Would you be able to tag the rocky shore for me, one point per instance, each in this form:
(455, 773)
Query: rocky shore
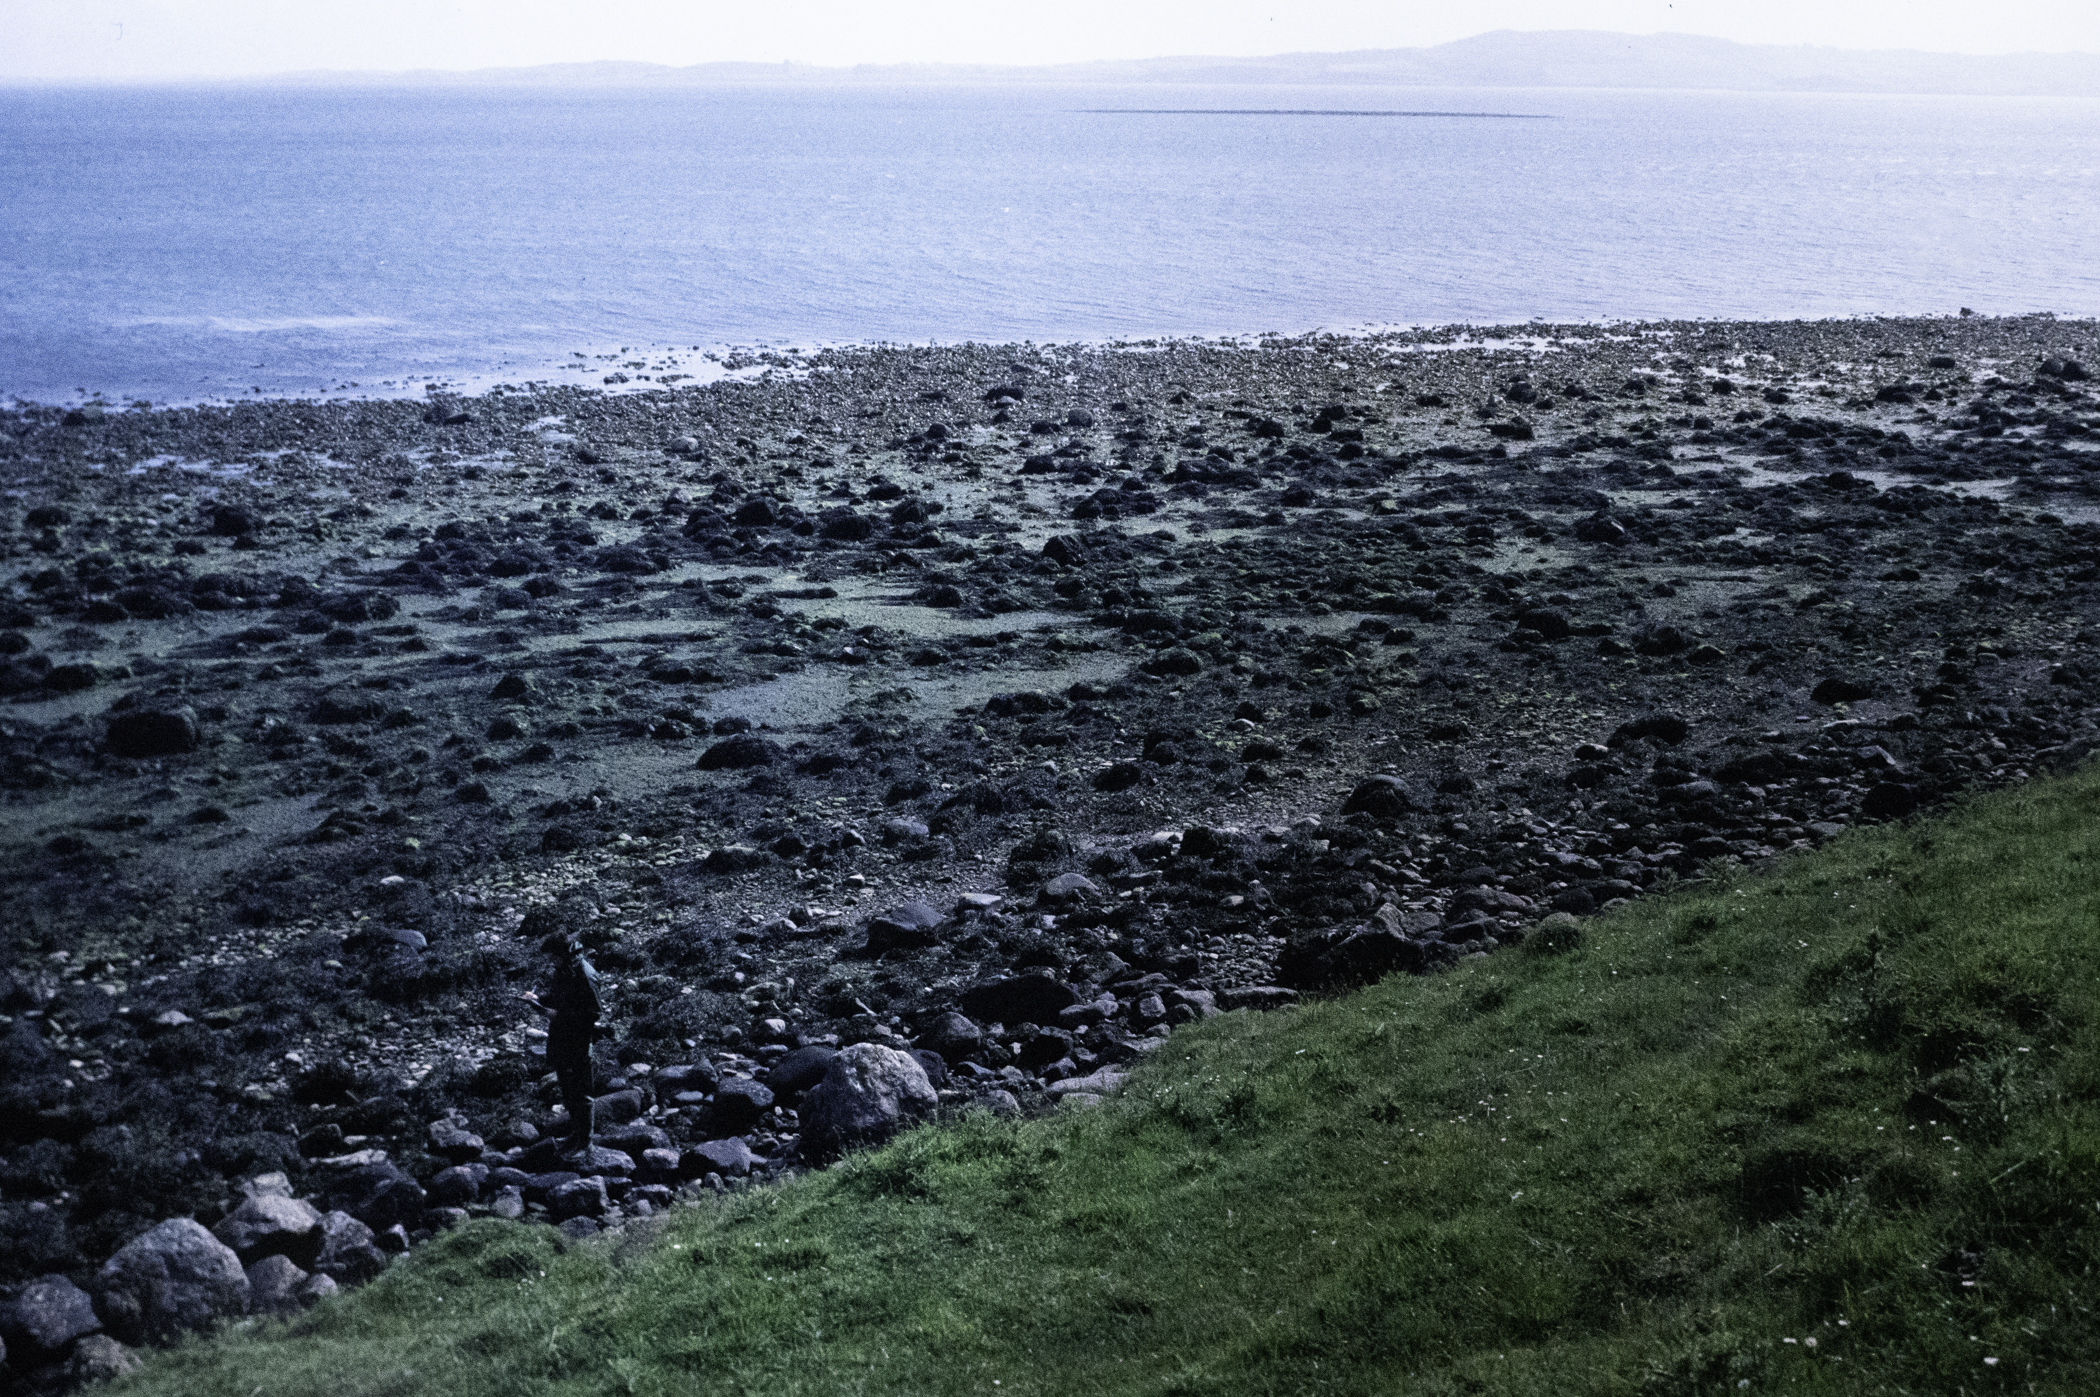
(910, 731)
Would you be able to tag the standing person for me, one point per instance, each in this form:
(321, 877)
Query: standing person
(573, 1024)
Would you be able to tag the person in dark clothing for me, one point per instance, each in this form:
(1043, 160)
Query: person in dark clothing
(573, 1024)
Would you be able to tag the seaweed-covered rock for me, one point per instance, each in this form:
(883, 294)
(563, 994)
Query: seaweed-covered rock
(153, 732)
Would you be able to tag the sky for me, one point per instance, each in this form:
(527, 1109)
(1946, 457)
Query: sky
(154, 39)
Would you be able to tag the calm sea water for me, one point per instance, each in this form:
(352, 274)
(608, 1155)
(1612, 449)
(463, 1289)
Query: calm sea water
(179, 244)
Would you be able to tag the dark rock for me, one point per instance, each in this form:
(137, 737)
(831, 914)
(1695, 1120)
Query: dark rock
(617, 1108)
(799, 1070)
(1385, 797)
(734, 858)
(96, 1359)
(1551, 624)
(731, 1158)
(1666, 728)
(164, 732)
(1034, 998)
(684, 1077)
(1257, 997)
(274, 1285)
(1837, 690)
(1068, 549)
(378, 1195)
(867, 1094)
(902, 928)
(272, 1224)
(738, 1106)
(44, 1317)
(174, 1277)
(954, 1037)
(845, 525)
(349, 706)
(1889, 800)
(735, 753)
(659, 1163)
(1177, 662)
(349, 1254)
(935, 1065)
(635, 1138)
(1067, 888)
(458, 1186)
(1119, 776)
(451, 1140)
(232, 521)
(578, 1198)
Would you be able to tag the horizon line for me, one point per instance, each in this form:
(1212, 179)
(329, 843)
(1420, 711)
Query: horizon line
(484, 72)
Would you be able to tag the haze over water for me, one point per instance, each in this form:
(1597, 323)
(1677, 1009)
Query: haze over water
(185, 243)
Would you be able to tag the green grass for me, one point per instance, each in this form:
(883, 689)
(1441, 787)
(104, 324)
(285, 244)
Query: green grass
(1662, 1163)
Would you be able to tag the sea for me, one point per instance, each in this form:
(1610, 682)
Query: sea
(191, 243)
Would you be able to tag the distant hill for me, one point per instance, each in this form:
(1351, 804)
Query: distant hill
(1504, 59)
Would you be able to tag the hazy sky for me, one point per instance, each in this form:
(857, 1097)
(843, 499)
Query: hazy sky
(171, 38)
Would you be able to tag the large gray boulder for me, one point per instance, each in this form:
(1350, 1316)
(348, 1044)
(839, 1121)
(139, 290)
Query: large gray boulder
(867, 1094)
(271, 1224)
(46, 1315)
(173, 1277)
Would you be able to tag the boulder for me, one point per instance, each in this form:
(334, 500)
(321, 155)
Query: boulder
(908, 927)
(45, 1316)
(953, 1037)
(730, 1158)
(1666, 728)
(867, 1094)
(451, 1140)
(97, 1358)
(1836, 689)
(458, 1186)
(684, 1077)
(800, 1070)
(738, 1105)
(379, 1195)
(1889, 800)
(1018, 999)
(1067, 888)
(1118, 776)
(634, 1137)
(578, 1198)
(734, 753)
(271, 1224)
(274, 1285)
(349, 1253)
(153, 732)
(844, 525)
(1385, 797)
(173, 1277)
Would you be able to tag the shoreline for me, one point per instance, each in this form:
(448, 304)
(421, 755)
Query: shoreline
(1312, 659)
(625, 371)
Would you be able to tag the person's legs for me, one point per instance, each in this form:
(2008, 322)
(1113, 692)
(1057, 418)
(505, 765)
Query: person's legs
(572, 1069)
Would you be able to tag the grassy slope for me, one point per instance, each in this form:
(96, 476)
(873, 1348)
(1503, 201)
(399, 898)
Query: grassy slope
(1562, 1174)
